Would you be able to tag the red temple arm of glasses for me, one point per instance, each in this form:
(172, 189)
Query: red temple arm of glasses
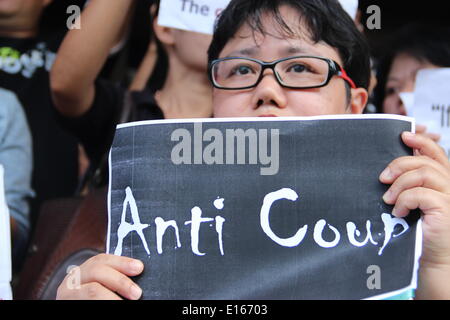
(342, 74)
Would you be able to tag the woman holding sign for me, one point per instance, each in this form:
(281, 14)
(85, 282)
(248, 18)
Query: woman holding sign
(276, 39)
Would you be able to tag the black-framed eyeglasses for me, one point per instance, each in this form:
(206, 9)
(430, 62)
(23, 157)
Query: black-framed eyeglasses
(299, 72)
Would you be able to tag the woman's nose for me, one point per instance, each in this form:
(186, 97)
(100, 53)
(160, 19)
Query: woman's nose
(269, 92)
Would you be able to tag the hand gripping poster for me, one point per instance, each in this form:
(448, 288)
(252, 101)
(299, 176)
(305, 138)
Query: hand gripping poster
(251, 209)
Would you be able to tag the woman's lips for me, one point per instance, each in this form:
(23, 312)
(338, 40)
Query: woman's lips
(268, 116)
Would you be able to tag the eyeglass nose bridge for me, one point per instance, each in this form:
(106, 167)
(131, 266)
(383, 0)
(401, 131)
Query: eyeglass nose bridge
(333, 69)
(269, 65)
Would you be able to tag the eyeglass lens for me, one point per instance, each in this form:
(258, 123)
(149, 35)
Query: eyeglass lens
(295, 72)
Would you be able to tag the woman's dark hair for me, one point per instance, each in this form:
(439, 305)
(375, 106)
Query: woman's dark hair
(326, 19)
(426, 43)
(159, 74)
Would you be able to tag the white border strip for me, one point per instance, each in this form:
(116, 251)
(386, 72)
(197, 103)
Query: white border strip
(232, 120)
(109, 202)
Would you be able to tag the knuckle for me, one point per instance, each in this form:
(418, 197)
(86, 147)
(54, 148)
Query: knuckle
(103, 257)
(95, 273)
(124, 283)
(99, 259)
(400, 198)
(93, 290)
(425, 173)
(406, 196)
(397, 164)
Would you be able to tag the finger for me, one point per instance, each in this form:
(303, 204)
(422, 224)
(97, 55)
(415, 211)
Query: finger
(429, 201)
(426, 147)
(421, 129)
(113, 280)
(424, 177)
(404, 164)
(433, 136)
(125, 265)
(95, 291)
(89, 291)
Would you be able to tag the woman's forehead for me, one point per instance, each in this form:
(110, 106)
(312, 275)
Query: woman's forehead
(284, 35)
(286, 24)
(250, 43)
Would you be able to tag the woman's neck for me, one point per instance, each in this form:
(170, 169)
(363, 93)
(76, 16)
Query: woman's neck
(186, 93)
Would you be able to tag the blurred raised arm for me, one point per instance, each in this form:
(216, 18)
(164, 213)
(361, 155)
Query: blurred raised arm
(84, 52)
(145, 69)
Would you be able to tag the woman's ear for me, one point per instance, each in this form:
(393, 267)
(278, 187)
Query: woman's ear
(164, 34)
(359, 99)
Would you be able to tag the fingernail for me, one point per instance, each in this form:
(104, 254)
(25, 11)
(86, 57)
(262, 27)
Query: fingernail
(136, 266)
(386, 175)
(395, 213)
(408, 135)
(388, 197)
(136, 292)
(436, 137)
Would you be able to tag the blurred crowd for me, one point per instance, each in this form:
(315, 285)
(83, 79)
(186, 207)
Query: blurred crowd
(63, 91)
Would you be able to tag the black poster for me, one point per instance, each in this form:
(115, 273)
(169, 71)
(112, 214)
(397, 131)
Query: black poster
(262, 210)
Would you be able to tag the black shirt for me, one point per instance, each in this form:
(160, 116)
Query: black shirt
(97, 126)
(24, 69)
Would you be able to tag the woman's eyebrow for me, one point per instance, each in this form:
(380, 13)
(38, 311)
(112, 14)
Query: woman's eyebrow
(300, 50)
(246, 52)
(288, 50)
(393, 79)
(294, 50)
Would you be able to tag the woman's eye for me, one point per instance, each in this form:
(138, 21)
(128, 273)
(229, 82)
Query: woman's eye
(298, 68)
(242, 70)
(390, 91)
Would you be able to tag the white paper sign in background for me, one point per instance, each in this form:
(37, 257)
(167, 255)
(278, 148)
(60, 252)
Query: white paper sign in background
(5, 244)
(408, 101)
(351, 6)
(191, 15)
(432, 103)
(200, 15)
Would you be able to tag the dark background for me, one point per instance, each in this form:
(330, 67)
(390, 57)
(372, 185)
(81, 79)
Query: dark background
(394, 14)
(55, 17)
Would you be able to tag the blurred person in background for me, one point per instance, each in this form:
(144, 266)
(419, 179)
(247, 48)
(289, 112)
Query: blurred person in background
(27, 53)
(411, 49)
(16, 158)
(91, 107)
